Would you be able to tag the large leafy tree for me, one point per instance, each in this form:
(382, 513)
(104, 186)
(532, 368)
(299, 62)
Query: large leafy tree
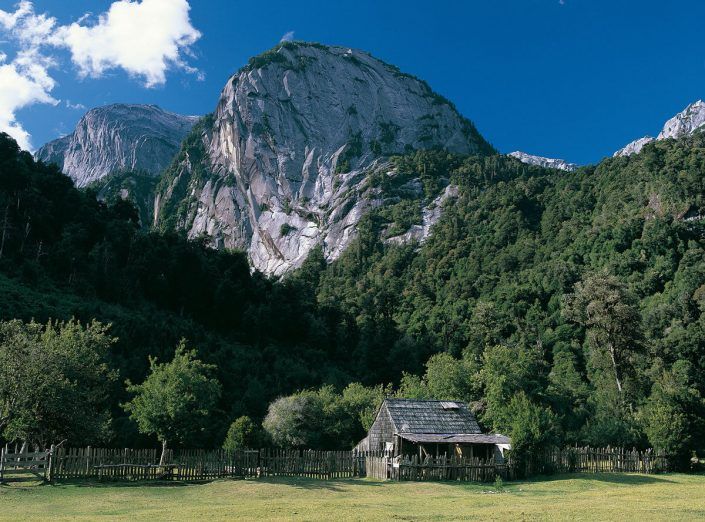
(608, 311)
(176, 400)
(55, 382)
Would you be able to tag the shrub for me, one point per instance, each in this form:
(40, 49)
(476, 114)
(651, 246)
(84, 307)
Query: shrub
(286, 229)
(243, 433)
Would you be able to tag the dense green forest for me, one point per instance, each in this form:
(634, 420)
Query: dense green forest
(565, 307)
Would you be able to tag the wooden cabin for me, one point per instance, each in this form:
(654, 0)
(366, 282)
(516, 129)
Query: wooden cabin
(430, 428)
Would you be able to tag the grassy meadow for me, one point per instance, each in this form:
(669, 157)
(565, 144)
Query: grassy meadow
(567, 497)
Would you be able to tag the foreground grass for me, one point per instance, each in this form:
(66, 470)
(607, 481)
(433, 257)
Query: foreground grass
(567, 497)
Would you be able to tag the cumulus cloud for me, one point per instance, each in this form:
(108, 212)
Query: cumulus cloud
(144, 38)
(22, 85)
(25, 80)
(288, 37)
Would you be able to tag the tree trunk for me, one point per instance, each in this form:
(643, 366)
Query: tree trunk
(162, 460)
(27, 230)
(4, 229)
(616, 370)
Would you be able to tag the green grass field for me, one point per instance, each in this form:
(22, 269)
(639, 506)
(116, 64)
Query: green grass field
(568, 497)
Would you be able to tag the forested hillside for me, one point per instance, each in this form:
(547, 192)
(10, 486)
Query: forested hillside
(567, 307)
(65, 254)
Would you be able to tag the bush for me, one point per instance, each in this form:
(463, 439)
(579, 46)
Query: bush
(286, 229)
(243, 433)
(293, 421)
(531, 430)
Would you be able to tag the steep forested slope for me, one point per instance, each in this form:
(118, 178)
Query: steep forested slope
(495, 287)
(572, 301)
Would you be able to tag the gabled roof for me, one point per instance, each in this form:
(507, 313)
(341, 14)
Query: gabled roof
(438, 417)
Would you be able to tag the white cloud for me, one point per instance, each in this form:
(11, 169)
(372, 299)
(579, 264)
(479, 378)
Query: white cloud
(9, 20)
(75, 106)
(144, 38)
(21, 85)
(25, 80)
(28, 29)
(288, 37)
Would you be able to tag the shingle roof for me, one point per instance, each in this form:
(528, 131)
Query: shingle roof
(471, 438)
(417, 416)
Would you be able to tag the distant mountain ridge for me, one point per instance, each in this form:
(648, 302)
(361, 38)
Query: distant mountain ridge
(118, 138)
(540, 161)
(682, 124)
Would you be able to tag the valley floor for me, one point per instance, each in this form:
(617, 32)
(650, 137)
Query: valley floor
(568, 497)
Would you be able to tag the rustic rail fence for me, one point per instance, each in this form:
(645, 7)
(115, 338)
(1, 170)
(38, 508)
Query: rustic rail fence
(194, 465)
(566, 460)
(595, 460)
(451, 468)
(436, 468)
(25, 463)
(308, 464)
(128, 464)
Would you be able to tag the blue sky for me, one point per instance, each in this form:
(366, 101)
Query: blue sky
(575, 79)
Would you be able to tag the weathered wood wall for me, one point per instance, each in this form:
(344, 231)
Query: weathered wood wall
(381, 431)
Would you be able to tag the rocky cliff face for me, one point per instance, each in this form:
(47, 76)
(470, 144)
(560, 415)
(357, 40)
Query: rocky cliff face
(549, 163)
(285, 162)
(682, 124)
(118, 138)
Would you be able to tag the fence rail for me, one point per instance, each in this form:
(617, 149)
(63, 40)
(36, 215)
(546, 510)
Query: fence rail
(24, 462)
(193, 465)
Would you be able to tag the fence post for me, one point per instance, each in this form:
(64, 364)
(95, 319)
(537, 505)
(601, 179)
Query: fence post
(50, 464)
(88, 460)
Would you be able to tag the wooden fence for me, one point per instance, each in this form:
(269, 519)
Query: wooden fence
(436, 468)
(192, 465)
(25, 463)
(567, 460)
(377, 467)
(594, 460)
(307, 463)
(129, 464)
(451, 468)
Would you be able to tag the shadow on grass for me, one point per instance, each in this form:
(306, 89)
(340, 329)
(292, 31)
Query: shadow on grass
(336, 485)
(301, 483)
(129, 484)
(612, 478)
(339, 485)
